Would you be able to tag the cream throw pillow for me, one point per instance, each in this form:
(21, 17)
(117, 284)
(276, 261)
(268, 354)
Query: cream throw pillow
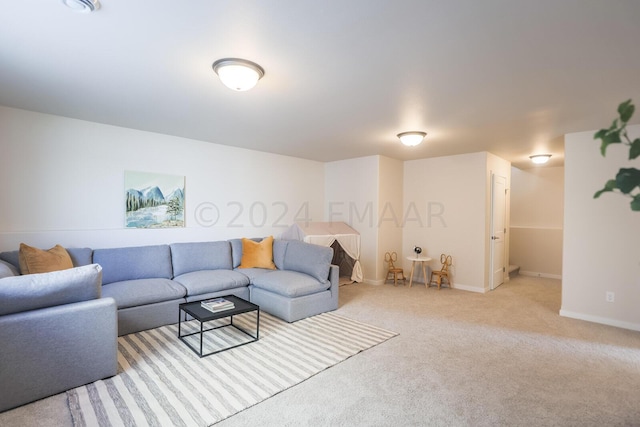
(257, 254)
(33, 260)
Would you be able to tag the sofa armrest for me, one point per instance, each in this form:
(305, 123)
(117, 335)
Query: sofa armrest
(54, 349)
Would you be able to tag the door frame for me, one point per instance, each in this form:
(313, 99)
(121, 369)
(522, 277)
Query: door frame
(492, 284)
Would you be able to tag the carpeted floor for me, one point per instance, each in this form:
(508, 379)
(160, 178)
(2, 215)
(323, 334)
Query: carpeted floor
(501, 358)
(161, 382)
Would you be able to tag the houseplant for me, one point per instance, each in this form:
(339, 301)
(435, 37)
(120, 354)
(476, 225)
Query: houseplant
(627, 180)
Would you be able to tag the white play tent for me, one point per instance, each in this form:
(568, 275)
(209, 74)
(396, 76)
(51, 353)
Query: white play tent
(327, 234)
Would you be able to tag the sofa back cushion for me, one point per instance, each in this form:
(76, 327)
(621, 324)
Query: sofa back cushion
(40, 290)
(131, 263)
(7, 270)
(79, 257)
(279, 249)
(196, 256)
(236, 251)
(314, 260)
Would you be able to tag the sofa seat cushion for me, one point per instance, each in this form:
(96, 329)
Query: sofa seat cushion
(290, 283)
(132, 293)
(252, 273)
(206, 281)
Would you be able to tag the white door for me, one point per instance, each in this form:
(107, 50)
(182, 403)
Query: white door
(498, 213)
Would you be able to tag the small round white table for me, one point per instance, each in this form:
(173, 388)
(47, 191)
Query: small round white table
(421, 260)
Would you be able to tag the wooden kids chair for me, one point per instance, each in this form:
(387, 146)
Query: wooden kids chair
(397, 272)
(443, 273)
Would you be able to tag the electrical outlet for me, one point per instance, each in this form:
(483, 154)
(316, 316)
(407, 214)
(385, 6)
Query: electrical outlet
(610, 297)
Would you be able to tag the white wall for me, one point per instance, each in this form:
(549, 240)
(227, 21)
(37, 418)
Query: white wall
(537, 215)
(445, 211)
(64, 183)
(601, 250)
(390, 212)
(351, 194)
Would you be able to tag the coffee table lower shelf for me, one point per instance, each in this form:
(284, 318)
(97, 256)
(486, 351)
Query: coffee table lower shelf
(202, 316)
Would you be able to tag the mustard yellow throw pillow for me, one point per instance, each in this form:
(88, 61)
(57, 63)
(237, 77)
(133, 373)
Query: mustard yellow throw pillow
(33, 260)
(257, 254)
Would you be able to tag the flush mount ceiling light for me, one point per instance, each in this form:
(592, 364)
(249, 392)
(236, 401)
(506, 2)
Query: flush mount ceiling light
(238, 74)
(540, 159)
(412, 138)
(83, 6)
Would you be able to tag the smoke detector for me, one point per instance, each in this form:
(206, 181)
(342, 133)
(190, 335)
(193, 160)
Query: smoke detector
(82, 6)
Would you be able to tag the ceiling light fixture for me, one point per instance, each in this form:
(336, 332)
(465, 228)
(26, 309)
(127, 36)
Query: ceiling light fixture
(540, 159)
(412, 138)
(82, 6)
(238, 74)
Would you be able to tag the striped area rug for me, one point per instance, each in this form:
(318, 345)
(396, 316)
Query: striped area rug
(161, 382)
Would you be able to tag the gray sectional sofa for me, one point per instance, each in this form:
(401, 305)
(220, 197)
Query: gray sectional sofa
(148, 282)
(60, 336)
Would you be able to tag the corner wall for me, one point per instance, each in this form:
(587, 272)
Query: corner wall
(601, 251)
(537, 215)
(351, 193)
(445, 211)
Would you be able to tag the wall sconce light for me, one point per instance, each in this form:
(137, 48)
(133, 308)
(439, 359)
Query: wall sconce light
(412, 138)
(238, 74)
(540, 159)
(83, 6)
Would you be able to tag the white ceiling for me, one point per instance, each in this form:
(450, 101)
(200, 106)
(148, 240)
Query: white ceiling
(343, 77)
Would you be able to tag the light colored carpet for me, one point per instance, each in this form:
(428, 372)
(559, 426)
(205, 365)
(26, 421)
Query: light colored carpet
(161, 382)
(505, 358)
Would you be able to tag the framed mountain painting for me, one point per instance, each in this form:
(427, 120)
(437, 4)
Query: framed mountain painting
(153, 200)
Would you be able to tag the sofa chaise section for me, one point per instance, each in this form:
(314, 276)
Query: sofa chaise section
(304, 283)
(139, 280)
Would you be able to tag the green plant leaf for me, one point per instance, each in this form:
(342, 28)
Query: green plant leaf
(635, 203)
(614, 125)
(609, 186)
(611, 137)
(634, 150)
(600, 134)
(626, 110)
(628, 179)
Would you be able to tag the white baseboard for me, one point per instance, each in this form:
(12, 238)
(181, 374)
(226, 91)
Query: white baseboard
(601, 320)
(469, 288)
(458, 286)
(537, 274)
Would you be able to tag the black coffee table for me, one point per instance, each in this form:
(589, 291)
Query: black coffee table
(202, 315)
